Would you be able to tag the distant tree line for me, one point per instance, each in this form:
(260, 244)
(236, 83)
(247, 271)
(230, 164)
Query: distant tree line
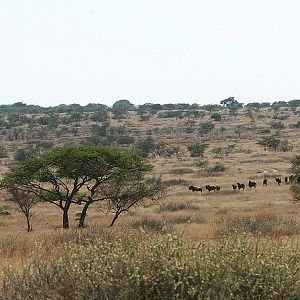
(126, 105)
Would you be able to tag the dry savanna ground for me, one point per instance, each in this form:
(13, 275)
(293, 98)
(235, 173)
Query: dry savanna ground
(196, 216)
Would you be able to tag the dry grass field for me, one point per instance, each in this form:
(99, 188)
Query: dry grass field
(265, 211)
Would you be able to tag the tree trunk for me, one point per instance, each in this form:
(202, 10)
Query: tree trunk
(83, 215)
(29, 228)
(114, 219)
(66, 218)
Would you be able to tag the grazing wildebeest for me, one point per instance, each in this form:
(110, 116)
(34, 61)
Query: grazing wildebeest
(240, 186)
(278, 180)
(210, 187)
(195, 188)
(265, 182)
(218, 188)
(234, 187)
(252, 184)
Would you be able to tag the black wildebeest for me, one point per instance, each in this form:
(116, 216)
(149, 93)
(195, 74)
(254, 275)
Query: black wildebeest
(265, 182)
(210, 187)
(195, 188)
(278, 180)
(218, 188)
(234, 187)
(252, 184)
(240, 186)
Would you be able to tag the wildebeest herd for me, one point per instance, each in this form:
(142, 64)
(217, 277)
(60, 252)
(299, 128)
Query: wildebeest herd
(240, 186)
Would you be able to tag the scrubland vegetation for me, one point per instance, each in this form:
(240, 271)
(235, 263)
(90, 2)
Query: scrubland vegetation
(167, 241)
(159, 266)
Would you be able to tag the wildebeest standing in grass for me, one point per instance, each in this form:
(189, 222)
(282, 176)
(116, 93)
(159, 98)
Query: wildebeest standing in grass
(234, 187)
(278, 180)
(240, 186)
(218, 188)
(252, 184)
(210, 187)
(265, 182)
(195, 188)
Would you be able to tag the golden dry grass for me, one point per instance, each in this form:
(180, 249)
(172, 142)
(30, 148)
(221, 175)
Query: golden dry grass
(247, 161)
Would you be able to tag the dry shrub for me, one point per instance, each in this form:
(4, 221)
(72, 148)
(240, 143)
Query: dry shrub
(160, 267)
(188, 219)
(149, 223)
(176, 206)
(261, 224)
(173, 182)
(181, 171)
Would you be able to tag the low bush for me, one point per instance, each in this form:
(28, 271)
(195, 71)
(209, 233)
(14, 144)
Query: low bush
(218, 167)
(175, 206)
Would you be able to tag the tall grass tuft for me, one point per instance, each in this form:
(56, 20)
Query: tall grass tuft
(176, 206)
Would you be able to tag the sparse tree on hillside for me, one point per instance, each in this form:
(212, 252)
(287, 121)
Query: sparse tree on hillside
(229, 102)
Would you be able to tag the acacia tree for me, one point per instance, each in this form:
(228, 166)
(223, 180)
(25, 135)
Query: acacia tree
(118, 193)
(72, 175)
(25, 202)
(122, 192)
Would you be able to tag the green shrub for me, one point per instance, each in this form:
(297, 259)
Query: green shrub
(277, 125)
(3, 152)
(205, 128)
(100, 116)
(216, 116)
(197, 149)
(296, 125)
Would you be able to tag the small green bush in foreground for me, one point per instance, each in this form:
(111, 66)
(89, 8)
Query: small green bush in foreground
(161, 267)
